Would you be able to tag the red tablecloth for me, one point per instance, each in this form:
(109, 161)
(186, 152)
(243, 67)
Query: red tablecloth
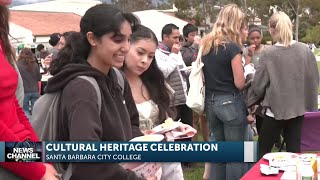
(254, 172)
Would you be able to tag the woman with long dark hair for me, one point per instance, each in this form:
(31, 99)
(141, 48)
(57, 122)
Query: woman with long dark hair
(102, 43)
(145, 78)
(149, 89)
(30, 74)
(14, 125)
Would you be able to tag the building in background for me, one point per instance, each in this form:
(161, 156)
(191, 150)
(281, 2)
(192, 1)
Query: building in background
(45, 18)
(41, 25)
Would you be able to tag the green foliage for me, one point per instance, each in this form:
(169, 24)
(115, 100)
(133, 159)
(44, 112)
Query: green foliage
(164, 6)
(131, 6)
(182, 4)
(308, 10)
(198, 18)
(266, 38)
(312, 35)
(189, 9)
(317, 53)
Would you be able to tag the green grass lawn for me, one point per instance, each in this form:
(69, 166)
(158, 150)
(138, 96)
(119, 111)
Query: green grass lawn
(195, 173)
(317, 52)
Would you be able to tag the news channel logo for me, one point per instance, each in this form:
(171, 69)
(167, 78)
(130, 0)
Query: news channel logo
(25, 151)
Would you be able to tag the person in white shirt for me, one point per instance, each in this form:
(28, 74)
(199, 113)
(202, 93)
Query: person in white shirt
(170, 62)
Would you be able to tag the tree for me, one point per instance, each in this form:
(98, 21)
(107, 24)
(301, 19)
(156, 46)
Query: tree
(312, 35)
(301, 12)
(131, 6)
(164, 6)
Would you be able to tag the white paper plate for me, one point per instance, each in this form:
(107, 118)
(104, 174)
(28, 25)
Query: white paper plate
(148, 138)
(45, 77)
(267, 170)
(161, 130)
(285, 155)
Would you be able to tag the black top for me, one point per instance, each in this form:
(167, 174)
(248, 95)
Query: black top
(218, 70)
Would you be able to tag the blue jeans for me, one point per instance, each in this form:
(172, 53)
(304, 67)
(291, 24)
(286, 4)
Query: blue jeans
(29, 98)
(226, 115)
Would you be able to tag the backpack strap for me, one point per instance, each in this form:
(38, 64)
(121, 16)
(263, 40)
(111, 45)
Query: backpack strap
(68, 173)
(120, 79)
(96, 87)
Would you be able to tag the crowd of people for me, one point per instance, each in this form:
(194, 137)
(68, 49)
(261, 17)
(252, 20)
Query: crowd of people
(155, 87)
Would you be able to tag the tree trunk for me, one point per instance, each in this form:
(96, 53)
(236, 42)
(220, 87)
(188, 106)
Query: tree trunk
(245, 8)
(297, 21)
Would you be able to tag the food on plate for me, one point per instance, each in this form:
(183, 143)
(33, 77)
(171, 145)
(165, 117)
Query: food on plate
(281, 159)
(168, 123)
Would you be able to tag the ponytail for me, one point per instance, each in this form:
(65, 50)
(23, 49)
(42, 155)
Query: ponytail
(282, 24)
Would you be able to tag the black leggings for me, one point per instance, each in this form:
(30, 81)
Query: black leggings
(271, 129)
(259, 122)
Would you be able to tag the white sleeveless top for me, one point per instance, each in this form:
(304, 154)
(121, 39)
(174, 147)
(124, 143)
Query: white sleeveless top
(148, 115)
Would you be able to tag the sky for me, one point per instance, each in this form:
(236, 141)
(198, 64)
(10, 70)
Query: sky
(21, 2)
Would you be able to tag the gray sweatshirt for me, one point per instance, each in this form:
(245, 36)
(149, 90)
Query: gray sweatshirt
(287, 78)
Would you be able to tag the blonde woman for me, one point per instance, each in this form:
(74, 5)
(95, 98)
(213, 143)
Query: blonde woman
(224, 77)
(287, 80)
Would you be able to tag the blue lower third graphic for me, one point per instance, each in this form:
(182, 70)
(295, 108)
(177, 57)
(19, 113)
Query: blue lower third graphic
(150, 152)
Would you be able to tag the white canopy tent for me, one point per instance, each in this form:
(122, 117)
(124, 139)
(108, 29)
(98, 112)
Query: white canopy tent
(20, 35)
(156, 21)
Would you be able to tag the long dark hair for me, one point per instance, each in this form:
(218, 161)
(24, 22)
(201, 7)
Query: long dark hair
(153, 78)
(100, 20)
(67, 34)
(27, 58)
(4, 34)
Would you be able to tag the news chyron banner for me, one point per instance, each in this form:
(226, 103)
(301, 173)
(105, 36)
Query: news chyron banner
(128, 151)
